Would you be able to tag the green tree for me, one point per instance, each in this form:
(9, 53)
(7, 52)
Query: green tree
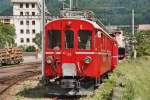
(7, 35)
(143, 43)
(37, 40)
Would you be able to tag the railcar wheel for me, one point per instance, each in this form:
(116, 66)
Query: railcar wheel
(106, 76)
(8, 62)
(45, 81)
(98, 81)
(16, 62)
(0, 64)
(12, 62)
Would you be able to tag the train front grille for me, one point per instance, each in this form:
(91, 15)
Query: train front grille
(69, 69)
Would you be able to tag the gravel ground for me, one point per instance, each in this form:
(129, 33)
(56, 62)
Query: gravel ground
(27, 90)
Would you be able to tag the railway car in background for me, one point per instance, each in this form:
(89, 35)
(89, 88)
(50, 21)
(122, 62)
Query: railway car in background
(77, 50)
(121, 44)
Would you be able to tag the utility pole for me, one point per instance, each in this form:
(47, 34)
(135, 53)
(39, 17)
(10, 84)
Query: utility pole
(71, 4)
(43, 36)
(76, 4)
(133, 35)
(63, 5)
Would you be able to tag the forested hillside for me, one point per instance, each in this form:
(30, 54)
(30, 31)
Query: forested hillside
(110, 11)
(4, 4)
(113, 11)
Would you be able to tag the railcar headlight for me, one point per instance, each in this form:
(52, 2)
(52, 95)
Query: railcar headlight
(87, 60)
(49, 59)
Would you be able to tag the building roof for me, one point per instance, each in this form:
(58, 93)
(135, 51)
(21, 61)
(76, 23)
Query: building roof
(144, 27)
(25, 1)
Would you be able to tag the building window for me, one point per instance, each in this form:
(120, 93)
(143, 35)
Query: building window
(33, 22)
(21, 22)
(27, 5)
(7, 21)
(33, 13)
(28, 40)
(21, 13)
(21, 5)
(33, 31)
(22, 40)
(28, 31)
(27, 13)
(33, 5)
(27, 22)
(21, 31)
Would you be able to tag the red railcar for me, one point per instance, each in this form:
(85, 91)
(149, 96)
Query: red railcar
(76, 49)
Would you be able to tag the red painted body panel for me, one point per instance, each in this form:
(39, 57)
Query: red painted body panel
(102, 52)
(114, 56)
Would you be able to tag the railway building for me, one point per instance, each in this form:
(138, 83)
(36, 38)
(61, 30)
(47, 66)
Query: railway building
(6, 19)
(26, 17)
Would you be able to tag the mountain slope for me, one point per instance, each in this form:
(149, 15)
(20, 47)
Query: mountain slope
(109, 11)
(4, 4)
(113, 11)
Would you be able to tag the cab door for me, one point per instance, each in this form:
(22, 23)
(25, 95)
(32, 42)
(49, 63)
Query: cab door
(68, 53)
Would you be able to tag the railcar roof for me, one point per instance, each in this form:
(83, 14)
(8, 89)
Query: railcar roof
(95, 25)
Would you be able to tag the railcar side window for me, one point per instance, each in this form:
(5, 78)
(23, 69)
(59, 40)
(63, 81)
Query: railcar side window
(84, 39)
(69, 39)
(54, 39)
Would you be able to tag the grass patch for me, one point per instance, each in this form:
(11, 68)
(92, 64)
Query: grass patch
(136, 81)
(105, 90)
(137, 73)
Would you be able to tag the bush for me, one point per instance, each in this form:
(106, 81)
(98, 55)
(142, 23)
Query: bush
(22, 47)
(30, 49)
(143, 43)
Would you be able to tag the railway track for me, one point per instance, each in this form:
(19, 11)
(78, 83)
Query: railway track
(15, 73)
(21, 64)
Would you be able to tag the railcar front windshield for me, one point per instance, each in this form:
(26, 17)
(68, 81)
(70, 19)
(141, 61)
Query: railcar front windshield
(121, 51)
(54, 39)
(69, 39)
(84, 39)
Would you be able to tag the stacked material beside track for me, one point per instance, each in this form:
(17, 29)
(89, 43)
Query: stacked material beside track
(11, 56)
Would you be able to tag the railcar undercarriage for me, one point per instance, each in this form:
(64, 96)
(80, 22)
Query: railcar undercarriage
(73, 86)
